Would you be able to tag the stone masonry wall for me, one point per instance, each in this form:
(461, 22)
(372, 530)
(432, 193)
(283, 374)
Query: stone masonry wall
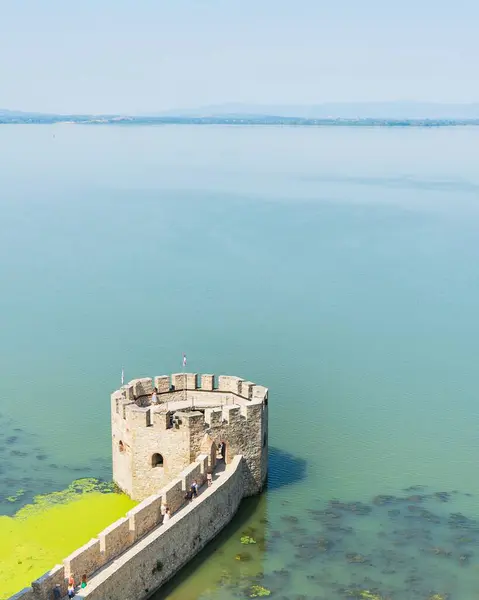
(159, 555)
(155, 556)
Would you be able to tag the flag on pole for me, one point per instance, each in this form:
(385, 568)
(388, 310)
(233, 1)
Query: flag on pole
(122, 376)
(184, 360)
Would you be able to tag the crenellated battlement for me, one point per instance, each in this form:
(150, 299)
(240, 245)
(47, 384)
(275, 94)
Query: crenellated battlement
(168, 387)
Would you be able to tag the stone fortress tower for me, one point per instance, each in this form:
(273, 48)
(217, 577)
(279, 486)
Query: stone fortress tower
(152, 444)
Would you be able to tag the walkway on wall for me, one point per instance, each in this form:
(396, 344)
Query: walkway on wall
(217, 475)
(199, 403)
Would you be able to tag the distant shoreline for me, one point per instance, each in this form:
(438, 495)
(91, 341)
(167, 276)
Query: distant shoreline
(27, 119)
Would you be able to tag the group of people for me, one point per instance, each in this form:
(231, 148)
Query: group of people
(71, 590)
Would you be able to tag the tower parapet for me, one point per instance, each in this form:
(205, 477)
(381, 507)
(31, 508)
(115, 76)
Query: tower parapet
(153, 443)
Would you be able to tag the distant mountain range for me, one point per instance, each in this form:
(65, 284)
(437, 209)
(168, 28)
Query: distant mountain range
(335, 110)
(372, 113)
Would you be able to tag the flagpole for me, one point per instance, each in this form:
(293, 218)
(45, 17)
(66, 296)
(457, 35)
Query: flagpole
(184, 378)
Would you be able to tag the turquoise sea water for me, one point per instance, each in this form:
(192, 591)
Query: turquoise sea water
(336, 266)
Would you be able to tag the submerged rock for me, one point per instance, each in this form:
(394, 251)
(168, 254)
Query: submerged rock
(359, 559)
(358, 508)
(442, 496)
(384, 499)
(459, 521)
(414, 498)
(243, 556)
(414, 488)
(364, 594)
(289, 518)
(438, 551)
(423, 513)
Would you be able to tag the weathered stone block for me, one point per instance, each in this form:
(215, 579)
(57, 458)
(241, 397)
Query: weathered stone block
(229, 383)
(253, 411)
(213, 417)
(207, 382)
(162, 383)
(173, 495)
(190, 474)
(246, 389)
(159, 418)
(146, 516)
(43, 586)
(86, 560)
(231, 414)
(129, 391)
(115, 539)
(142, 387)
(138, 416)
(259, 392)
(191, 420)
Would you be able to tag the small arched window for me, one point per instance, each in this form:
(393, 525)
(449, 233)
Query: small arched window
(121, 446)
(156, 460)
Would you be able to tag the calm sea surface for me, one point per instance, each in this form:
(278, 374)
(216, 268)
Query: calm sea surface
(337, 266)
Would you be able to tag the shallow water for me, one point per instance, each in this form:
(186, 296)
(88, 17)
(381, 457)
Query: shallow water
(336, 266)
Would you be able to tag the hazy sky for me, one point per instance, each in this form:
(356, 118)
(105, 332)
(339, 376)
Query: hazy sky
(151, 55)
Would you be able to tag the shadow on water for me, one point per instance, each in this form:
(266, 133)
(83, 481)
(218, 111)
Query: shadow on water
(218, 556)
(284, 469)
(217, 565)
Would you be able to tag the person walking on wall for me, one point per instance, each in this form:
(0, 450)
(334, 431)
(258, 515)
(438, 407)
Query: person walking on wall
(71, 590)
(83, 581)
(194, 488)
(209, 477)
(167, 516)
(154, 396)
(222, 450)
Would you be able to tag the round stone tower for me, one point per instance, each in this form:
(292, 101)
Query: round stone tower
(153, 443)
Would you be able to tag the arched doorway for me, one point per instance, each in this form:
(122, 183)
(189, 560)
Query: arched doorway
(157, 460)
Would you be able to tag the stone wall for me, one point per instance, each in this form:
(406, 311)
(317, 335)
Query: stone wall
(158, 556)
(134, 533)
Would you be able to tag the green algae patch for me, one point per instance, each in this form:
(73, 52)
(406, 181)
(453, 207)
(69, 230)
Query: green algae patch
(42, 534)
(258, 591)
(246, 539)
